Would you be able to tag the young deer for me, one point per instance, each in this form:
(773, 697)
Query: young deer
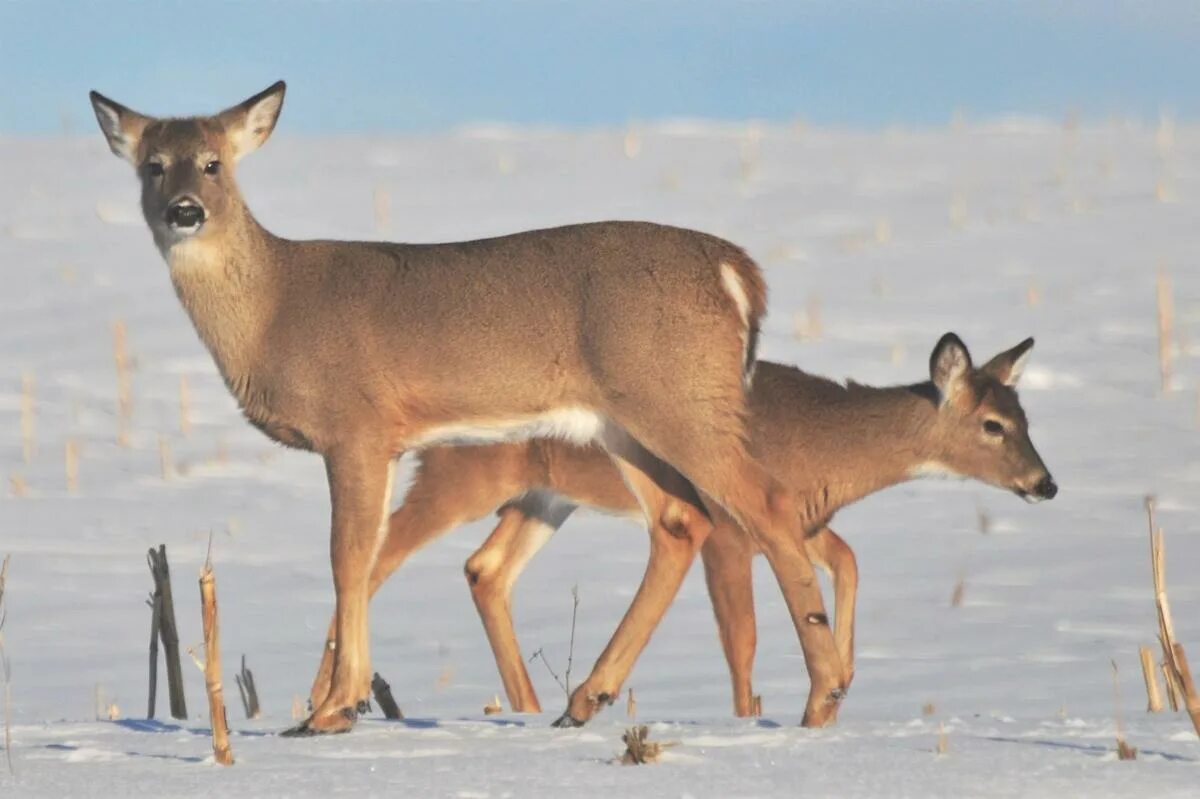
(635, 335)
(831, 444)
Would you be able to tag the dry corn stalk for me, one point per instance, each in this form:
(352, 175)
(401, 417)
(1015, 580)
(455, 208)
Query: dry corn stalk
(185, 406)
(71, 464)
(1165, 326)
(1154, 703)
(1175, 664)
(960, 588)
(18, 485)
(1191, 697)
(639, 749)
(124, 387)
(631, 705)
(165, 463)
(494, 707)
(27, 419)
(212, 666)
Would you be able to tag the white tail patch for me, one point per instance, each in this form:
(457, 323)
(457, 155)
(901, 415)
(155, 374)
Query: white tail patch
(737, 292)
(576, 425)
(733, 286)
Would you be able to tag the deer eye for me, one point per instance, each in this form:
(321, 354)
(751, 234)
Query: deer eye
(993, 428)
(154, 169)
(212, 167)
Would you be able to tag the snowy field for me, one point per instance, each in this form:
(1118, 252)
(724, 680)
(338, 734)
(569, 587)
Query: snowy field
(994, 231)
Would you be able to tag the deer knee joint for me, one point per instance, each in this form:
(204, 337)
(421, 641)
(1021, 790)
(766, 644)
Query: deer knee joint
(684, 523)
(817, 618)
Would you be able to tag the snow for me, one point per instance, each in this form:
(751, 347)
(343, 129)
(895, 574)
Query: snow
(896, 236)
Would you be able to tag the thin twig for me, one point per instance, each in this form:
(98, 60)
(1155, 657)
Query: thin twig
(1124, 750)
(571, 648)
(542, 656)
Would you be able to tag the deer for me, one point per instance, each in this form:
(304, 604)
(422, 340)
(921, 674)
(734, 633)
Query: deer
(832, 444)
(638, 336)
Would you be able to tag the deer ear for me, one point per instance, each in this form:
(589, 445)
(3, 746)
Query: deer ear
(122, 127)
(1008, 365)
(949, 366)
(250, 123)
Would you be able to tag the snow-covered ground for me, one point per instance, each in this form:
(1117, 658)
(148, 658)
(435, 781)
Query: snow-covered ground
(994, 231)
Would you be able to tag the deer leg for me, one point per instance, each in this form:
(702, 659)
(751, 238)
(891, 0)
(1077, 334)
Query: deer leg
(678, 524)
(720, 467)
(525, 526)
(359, 485)
(445, 493)
(727, 571)
(827, 549)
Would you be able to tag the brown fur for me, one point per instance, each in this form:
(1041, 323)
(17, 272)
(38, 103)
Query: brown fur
(832, 444)
(360, 350)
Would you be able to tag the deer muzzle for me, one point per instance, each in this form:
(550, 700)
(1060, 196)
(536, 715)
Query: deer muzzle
(185, 215)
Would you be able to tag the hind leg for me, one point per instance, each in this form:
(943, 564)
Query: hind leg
(719, 465)
(727, 559)
(678, 525)
(525, 526)
(827, 549)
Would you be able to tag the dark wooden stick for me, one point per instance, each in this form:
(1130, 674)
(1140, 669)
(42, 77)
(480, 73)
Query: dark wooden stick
(212, 668)
(249, 694)
(155, 603)
(167, 630)
(383, 695)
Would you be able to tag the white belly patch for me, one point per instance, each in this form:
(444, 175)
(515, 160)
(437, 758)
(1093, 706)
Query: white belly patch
(576, 425)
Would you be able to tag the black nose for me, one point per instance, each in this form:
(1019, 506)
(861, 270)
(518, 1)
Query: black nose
(1046, 488)
(185, 214)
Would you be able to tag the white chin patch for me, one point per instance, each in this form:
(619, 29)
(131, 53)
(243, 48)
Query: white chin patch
(184, 232)
(1032, 499)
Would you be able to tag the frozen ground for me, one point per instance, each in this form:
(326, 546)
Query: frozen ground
(997, 232)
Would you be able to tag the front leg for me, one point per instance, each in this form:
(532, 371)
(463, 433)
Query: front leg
(360, 485)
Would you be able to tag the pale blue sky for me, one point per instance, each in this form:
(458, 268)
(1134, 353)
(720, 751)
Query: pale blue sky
(405, 66)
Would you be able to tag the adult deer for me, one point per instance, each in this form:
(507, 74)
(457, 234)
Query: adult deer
(831, 444)
(635, 335)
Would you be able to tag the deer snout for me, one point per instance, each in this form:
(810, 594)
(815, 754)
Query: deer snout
(1046, 488)
(185, 215)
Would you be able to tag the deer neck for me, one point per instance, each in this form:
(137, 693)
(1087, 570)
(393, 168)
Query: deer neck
(875, 438)
(228, 283)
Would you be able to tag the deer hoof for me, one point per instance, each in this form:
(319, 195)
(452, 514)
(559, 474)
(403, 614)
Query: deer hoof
(566, 720)
(306, 728)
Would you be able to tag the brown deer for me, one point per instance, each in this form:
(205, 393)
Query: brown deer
(831, 444)
(635, 335)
